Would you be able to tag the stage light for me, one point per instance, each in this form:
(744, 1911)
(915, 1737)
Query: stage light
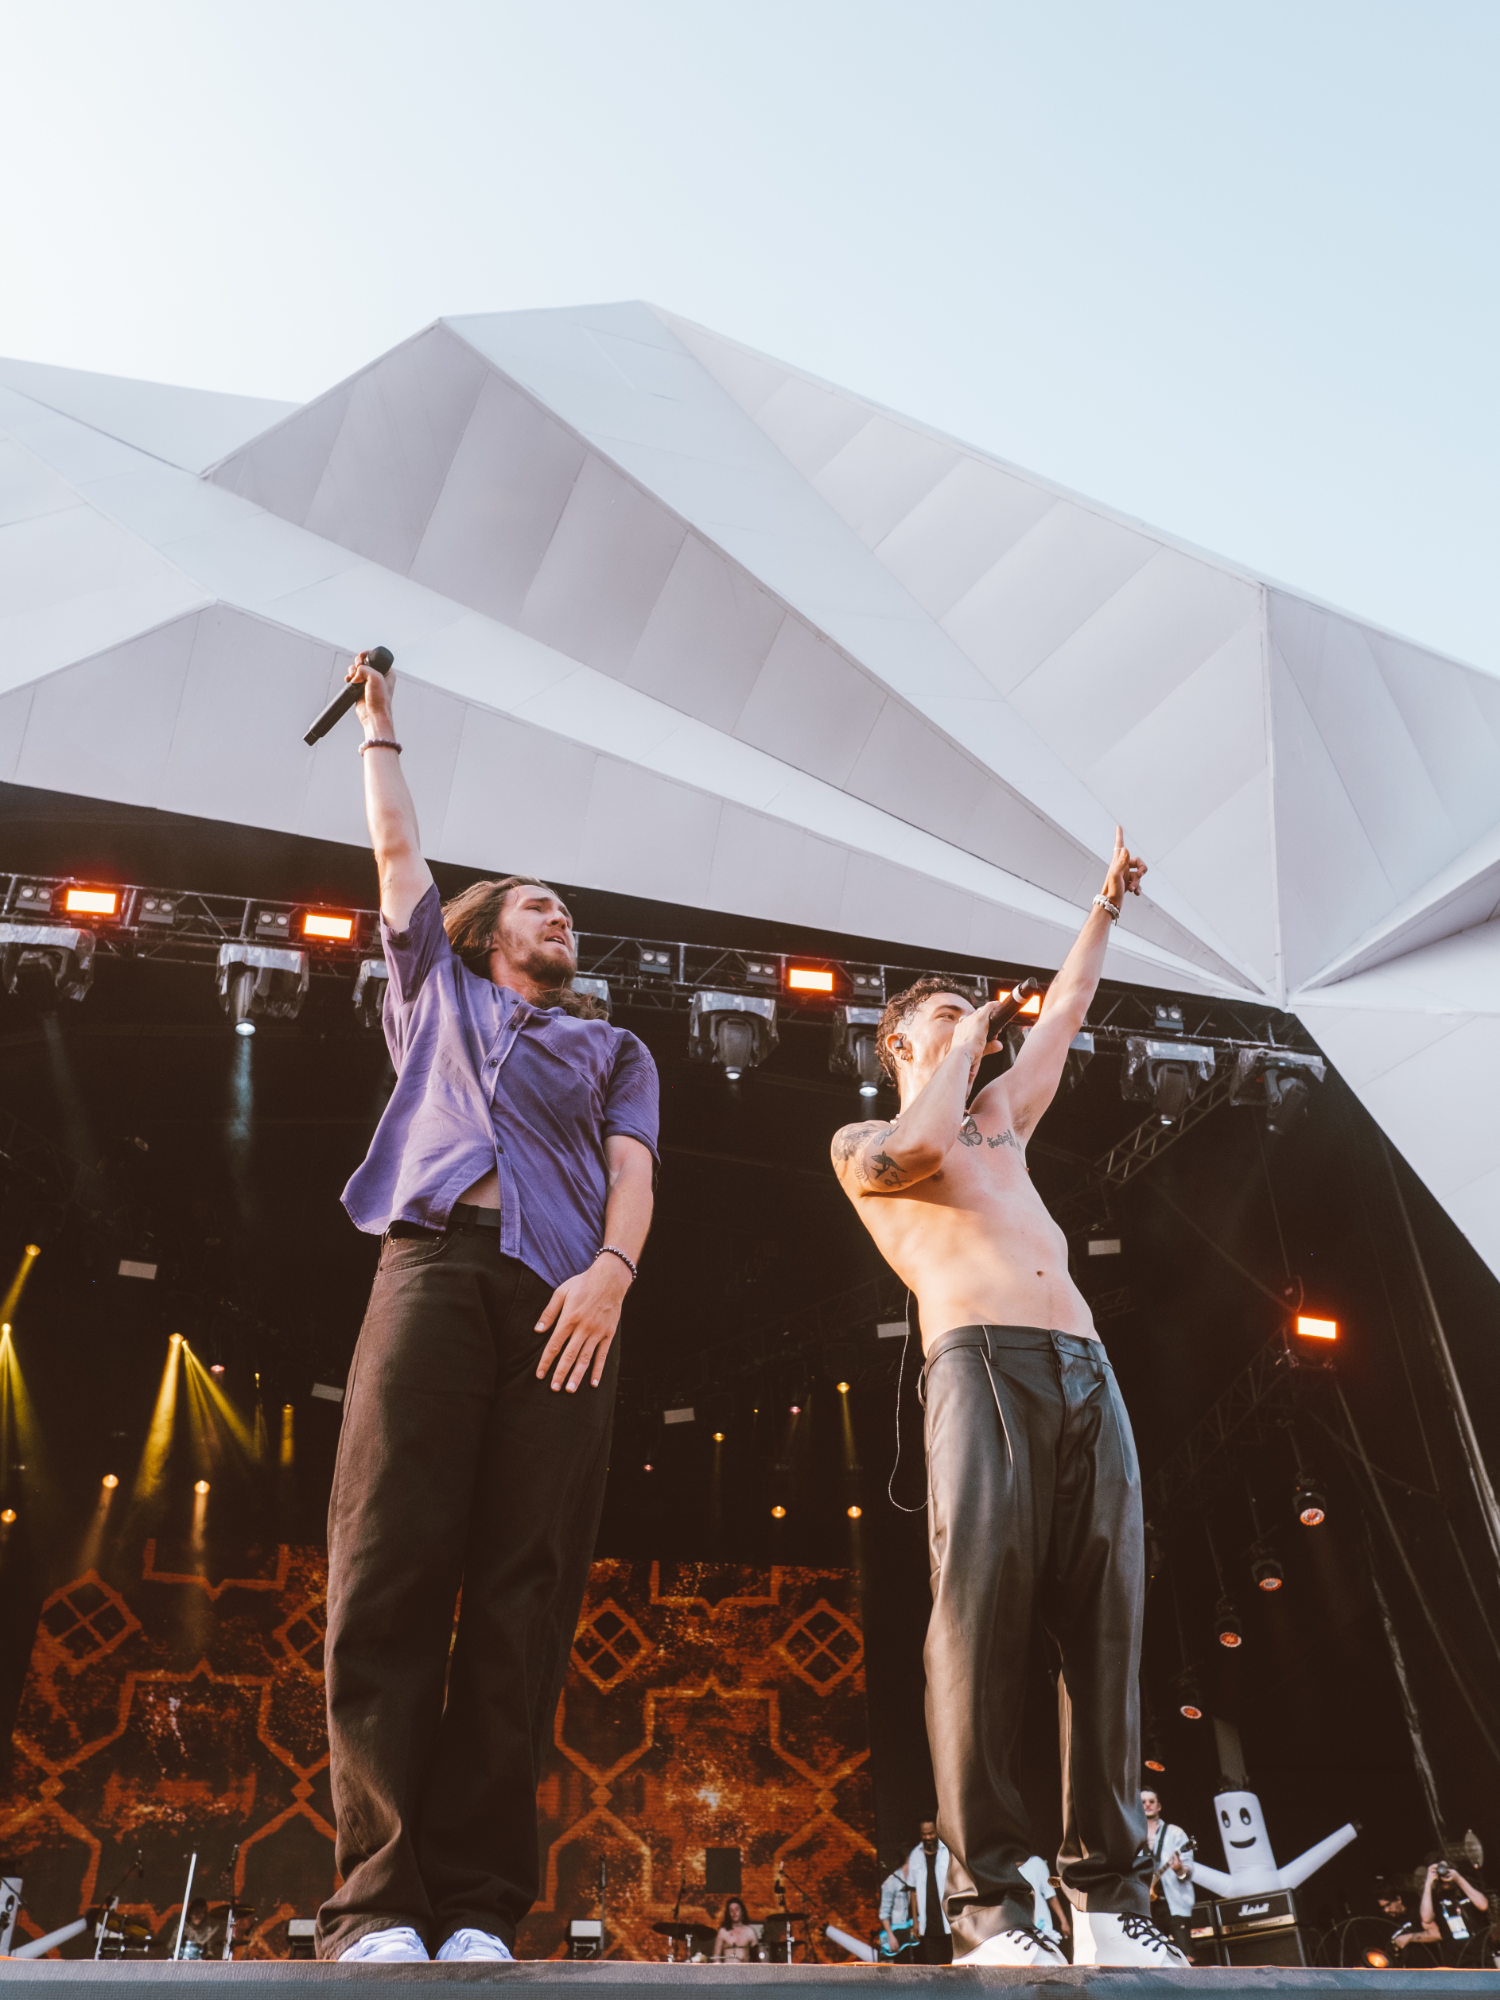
(854, 1513)
(327, 924)
(17, 1285)
(1189, 1697)
(653, 963)
(594, 989)
(734, 1030)
(200, 1486)
(762, 972)
(843, 1388)
(1312, 1509)
(7, 1515)
(45, 963)
(808, 979)
(854, 1049)
(1165, 1072)
(1377, 1961)
(216, 1368)
(1280, 1079)
(1033, 1006)
(1316, 1329)
(257, 979)
(1154, 1764)
(648, 1468)
(111, 1480)
(718, 1437)
(370, 986)
(156, 910)
(1227, 1630)
(778, 1513)
(796, 1409)
(1267, 1572)
(91, 902)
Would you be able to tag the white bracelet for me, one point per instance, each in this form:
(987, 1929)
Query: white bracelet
(1103, 903)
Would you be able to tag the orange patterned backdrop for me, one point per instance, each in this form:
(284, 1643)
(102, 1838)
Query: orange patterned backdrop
(707, 1705)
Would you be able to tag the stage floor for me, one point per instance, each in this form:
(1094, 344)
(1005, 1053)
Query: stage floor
(36, 1979)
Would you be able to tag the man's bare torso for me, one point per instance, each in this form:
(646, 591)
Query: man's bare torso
(973, 1240)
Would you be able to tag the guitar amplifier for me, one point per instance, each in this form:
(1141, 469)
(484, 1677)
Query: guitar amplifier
(1260, 1930)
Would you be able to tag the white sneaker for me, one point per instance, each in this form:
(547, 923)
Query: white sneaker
(1102, 1938)
(400, 1941)
(474, 1944)
(1013, 1948)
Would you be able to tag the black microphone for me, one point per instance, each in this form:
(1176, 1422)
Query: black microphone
(382, 659)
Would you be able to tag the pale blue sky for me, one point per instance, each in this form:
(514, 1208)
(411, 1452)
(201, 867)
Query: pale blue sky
(1228, 267)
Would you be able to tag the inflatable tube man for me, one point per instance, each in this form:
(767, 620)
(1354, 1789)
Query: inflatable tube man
(1247, 1849)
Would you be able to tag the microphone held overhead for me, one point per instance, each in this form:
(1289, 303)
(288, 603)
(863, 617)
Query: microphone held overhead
(382, 660)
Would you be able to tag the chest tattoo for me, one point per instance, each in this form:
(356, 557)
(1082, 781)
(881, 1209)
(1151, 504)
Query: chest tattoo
(969, 1133)
(1006, 1138)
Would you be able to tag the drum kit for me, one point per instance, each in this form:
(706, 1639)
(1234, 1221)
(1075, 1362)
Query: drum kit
(778, 1939)
(120, 1935)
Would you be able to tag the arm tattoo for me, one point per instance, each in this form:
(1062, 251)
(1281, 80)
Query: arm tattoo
(875, 1167)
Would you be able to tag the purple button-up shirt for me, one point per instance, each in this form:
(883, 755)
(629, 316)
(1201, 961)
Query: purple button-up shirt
(484, 1080)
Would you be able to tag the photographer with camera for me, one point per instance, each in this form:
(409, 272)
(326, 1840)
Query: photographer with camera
(1454, 1912)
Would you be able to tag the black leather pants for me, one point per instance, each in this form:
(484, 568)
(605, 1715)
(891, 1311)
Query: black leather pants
(1034, 1515)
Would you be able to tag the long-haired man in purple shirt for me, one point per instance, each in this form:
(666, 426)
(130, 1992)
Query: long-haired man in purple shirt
(511, 1178)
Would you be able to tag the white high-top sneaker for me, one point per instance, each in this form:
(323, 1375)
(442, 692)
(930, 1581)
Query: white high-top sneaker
(1017, 1947)
(1101, 1938)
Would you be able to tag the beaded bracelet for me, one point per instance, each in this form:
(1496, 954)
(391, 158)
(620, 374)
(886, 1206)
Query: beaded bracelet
(609, 1249)
(379, 743)
(1103, 903)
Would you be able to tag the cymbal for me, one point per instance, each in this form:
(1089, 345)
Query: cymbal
(243, 1913)
(680, 1930)
(786, 1917)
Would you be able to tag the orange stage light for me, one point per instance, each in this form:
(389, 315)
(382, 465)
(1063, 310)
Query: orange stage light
(111, 1480)
(808, 979)
(200, 1486)
(91, 902)
(8, 1516)
(1316, 1329)
(323, 924)
(1031, 1006)
(778, 1513)
(854, 1512)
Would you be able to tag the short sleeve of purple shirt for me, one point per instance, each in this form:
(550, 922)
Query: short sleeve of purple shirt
(486, 1082)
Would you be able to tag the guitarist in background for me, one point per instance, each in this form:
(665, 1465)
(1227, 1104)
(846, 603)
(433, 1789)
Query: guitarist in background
(1171, 1876)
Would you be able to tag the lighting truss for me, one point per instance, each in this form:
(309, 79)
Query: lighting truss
(184, 926)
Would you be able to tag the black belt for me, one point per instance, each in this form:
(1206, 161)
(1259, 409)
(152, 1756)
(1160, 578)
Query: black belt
(462, 1218)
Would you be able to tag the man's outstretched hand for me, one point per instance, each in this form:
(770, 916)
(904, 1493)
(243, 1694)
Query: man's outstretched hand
(1125, 872)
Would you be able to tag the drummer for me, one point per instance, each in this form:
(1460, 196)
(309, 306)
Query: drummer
(736, 1938)
(200, 1931)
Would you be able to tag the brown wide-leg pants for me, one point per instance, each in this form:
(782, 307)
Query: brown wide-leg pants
(456, 1466)
(1034, 1499)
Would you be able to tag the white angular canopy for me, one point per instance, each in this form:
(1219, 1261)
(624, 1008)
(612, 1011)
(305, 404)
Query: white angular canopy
(680, 621)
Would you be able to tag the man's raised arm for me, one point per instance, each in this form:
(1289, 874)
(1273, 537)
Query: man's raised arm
(1031, 1084)
(882, 1158)
(405, 877)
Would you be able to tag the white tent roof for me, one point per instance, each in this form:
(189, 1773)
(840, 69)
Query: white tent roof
(677, 620)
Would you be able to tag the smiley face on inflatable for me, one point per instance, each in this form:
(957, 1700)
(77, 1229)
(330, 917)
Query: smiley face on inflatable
(1247, 1845)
